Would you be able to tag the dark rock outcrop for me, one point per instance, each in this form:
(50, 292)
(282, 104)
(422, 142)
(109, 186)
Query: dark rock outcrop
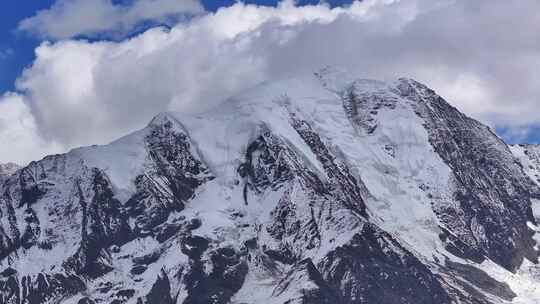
(492, 190)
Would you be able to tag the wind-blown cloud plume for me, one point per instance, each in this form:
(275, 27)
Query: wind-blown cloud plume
(82, 92)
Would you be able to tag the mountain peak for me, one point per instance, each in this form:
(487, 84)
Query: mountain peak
(353, 190)
(163, 118)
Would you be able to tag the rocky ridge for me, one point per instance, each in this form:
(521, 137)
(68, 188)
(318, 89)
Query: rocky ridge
(318, 189)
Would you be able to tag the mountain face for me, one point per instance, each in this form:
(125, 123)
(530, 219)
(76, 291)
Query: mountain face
(6, 170)
(316, 189)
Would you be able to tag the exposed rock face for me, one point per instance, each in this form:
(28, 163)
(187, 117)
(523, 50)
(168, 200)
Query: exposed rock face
(6, 170)
(324, 189)
(171, 177)
(366, 271)
(314, 287)
(529, 159)
(44, 288)
(492, 192)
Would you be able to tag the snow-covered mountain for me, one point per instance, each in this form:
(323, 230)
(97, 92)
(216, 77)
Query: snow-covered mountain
(7, 169)
(316, 189)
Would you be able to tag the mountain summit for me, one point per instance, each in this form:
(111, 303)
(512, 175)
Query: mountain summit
(316, 189)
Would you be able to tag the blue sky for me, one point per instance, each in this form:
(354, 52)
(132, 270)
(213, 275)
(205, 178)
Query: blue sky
(106, 56)
(20, 47)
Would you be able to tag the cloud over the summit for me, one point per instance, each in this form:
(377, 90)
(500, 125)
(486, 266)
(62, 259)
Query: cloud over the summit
(18, 132)
(92, 92)
(482, 56)
(72, 18)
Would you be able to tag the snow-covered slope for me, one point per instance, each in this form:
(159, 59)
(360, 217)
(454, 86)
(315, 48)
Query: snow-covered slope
(317, 189)
(7, 169)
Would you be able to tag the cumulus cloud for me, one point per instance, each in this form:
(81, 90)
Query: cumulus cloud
(476, 54)
(91, 92)
(18, 132)
(72, 18)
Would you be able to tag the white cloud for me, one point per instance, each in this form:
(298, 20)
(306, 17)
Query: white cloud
(84, 93)
(18, 132)
(71, 18)
(476, 54)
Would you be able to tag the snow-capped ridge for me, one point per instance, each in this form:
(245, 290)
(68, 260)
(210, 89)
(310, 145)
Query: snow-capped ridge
(9, 168)
(313, 189)
(163, 118)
